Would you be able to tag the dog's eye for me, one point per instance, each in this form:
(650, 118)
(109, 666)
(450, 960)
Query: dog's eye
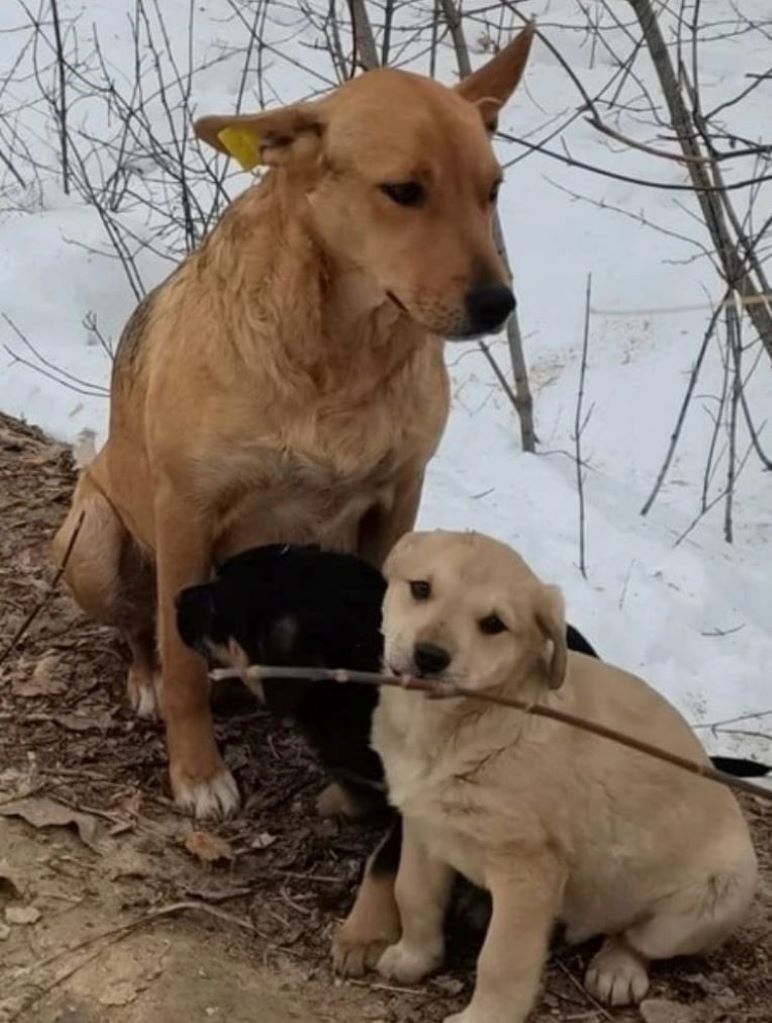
(405, 193)
(494, 192)
(491, 625)
(420, 589)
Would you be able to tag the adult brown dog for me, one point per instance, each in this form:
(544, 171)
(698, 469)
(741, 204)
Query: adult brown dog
(287, 383)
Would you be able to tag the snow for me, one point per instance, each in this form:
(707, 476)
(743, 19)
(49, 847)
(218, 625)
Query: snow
(690, 614)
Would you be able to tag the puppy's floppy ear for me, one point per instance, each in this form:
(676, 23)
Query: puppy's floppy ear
(196, 614)
(272, 138)
(490, 86)
(550, 617)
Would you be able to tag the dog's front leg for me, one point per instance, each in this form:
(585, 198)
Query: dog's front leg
(200, 781)
(526, 897)
(423, 889)
(373, 922)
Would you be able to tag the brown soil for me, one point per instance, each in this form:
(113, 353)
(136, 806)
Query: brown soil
(91, 926)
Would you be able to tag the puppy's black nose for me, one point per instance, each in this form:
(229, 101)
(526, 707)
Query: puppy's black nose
(488, 306)
(430, 659)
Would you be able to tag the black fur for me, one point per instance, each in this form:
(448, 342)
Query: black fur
(299, 605)
(286, 605)
(292, 605)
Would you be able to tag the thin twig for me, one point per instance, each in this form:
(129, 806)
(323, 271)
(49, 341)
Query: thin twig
(676, 434)
(521, 397)
(61, 104)
(441, 689)
(579, 426)
(19, 634)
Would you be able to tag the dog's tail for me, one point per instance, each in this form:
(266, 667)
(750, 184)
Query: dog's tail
(740, 767)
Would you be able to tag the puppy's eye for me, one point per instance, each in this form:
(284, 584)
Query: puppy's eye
(491, 625)
(494, 192)
(420, 589)
(405, 193)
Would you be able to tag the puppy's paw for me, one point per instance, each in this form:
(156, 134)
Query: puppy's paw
(360, 943)
(408, 964)
(617, 975)
(353, 958)
(142, 689)
(210, 799)
(372, 925)
(335, 801)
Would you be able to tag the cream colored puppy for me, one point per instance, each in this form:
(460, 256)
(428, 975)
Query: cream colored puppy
(557, 823)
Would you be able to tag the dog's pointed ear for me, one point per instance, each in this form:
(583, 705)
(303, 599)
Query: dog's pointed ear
(272, 138)
(551, 619)
(490, 86)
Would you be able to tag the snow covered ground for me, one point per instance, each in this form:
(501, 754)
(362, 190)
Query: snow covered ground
(694, 617)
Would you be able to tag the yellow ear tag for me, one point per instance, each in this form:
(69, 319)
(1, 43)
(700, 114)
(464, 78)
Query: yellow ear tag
(243, 144)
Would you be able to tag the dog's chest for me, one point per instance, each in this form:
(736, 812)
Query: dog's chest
(281, 496)
(429, 774)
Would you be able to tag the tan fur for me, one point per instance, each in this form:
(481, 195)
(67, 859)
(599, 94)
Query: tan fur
(555, 822)
(371, 926)
(287, 382)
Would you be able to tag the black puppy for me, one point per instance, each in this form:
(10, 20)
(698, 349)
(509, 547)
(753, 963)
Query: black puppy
(300, 605)
(297, 605)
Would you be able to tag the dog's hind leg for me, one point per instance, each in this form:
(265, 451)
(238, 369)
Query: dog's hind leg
(373, 922)
(691, 920)
(355, 802)
(112, 583)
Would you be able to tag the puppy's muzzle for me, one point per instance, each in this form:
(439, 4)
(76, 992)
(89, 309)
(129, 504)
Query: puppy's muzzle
(430, 659)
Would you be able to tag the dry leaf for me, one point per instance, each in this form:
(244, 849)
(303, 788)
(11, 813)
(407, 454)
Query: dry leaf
(15, 784)
(22, 915)
(130, 863)
(122, 992)
(82, 723)
(132, 804)
(45, 680)
(263, 840)
(46, 813)
(663, 1010)
(208, 848)
(9, 888)
(450, 985)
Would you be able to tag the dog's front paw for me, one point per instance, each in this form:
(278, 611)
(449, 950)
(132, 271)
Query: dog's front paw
(359, 944)
(372, 925)
(408, 964)
(617, 975)
(353, 958)
(142, 689)
(207, 799)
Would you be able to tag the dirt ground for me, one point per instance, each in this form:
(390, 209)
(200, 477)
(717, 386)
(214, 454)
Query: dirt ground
(113, 910)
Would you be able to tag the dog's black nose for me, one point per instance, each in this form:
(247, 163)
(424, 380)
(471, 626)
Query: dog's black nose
(430, 659)
(488, 306)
